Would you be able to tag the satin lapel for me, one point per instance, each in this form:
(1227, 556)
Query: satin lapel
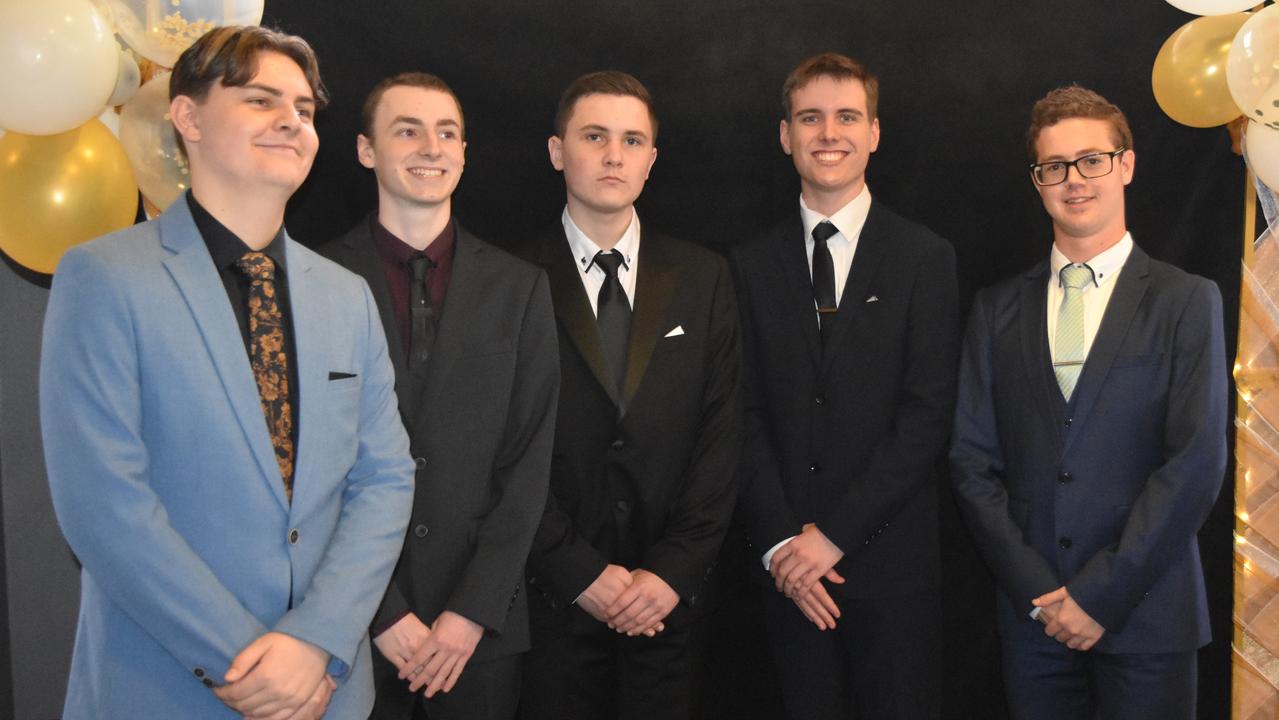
(654, 289)
(1033, 328)
(1130, 288)
(573, 308)
(363, 260)
(792, 257)
(467, 285)
(310, 337)
(197, 279)
(870, 250)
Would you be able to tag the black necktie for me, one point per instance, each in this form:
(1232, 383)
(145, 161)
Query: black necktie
(613, 315)
(421, 316)
(824, 276)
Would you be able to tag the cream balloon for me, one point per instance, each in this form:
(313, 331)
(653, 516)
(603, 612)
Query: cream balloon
(1262, 151)
(127, 81)
(1188, 77)
(58, 65)
(1254, 53)
(1213, 7)
(160, 30)
(147, 136)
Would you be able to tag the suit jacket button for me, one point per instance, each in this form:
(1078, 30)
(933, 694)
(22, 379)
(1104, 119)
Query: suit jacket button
(420, 462)
(420, 531)
(199, 672)
(820, 399)
(293, 536)
(1069, 421)
(814, 468)
(208, 682)
(1064, 543)
(623, 506)
(692, 600)
(1064, 477)
(618, 444)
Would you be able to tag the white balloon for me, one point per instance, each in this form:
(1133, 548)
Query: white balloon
(160, 30)
(111, 119)
(127, 81)
(1213, 7)
(1261, 145)
(147, 135)
(58, 65)
(1250, 65)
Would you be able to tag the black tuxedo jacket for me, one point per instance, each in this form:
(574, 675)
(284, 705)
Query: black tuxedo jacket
(644, 478)
(849, 436)
(1104, 496)
(481, 433)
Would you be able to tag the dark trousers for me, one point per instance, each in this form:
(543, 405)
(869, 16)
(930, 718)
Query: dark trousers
(1046, 680)
(881, 662)
(488, 690)
(604, 675)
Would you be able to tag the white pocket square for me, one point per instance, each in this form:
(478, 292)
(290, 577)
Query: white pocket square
(872, 298)
(679, 330)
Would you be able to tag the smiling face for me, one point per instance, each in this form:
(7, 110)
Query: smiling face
(830, 137)
(1086, 212)
(416, 151)
(252, 138)
(606, 153)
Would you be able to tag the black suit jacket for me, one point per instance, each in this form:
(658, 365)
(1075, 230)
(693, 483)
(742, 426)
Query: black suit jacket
(850, 435)
(644, 479)
(481, 432)
(1104, 497)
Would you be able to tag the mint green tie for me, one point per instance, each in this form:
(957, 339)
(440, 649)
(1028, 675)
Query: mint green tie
(1068, 350)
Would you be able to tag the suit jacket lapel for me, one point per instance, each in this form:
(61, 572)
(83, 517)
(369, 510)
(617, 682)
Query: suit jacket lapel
(793, 260)
(870, 250)
(1033, 328)
(310, 336)
(573, 308)
(654, 288)
(1130, 288)
(198, 280)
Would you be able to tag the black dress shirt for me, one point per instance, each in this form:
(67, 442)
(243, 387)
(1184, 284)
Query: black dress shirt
(396, 254)
(226, 249)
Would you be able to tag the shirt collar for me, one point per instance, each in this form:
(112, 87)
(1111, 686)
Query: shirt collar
(225, 247)
(584, 248)
(848, 220)
(1105, 265)
(396, 250)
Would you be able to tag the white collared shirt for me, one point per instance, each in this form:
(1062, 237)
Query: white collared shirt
(592, 275)
(849, 221)
(1106, 267)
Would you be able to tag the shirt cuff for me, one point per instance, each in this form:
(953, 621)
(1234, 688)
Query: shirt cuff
(768, 556)
(1034, 614)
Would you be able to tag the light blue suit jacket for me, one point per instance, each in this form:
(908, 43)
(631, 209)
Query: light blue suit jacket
(166, 487)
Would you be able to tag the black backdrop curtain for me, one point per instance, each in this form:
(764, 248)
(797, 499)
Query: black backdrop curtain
(957, 83)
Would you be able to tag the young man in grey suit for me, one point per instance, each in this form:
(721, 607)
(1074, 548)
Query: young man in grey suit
(472, 340)
(1089, 442)
(849, 336)
(220, 425)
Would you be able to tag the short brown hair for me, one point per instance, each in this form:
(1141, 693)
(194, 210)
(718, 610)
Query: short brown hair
(606, 82)
(229, 55)
(1075, 101)
(426, 81)
(836, 66)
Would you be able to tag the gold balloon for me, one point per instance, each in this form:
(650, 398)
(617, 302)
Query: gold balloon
(1189, 77)
(61, 190)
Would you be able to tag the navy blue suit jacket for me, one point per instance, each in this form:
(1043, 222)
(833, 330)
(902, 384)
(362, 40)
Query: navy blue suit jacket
(1105, 496)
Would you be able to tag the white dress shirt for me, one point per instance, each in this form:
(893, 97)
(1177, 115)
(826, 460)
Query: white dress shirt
(592, 275)
(1106, 266)
(848, 221)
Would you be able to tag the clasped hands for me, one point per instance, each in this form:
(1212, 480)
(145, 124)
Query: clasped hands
(634, 602)
(278, 677)
(1065, 621)
(431, 657)
(797, 567)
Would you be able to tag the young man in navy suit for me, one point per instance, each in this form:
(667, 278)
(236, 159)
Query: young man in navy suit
(1089, 442)
(647, 434)
(849, 334)
(478, 399)
(220, 425)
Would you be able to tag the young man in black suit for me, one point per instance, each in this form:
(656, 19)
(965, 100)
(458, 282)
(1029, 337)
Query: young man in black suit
(849, 338)
(648, 431)
(1090, 442)
(472, 339)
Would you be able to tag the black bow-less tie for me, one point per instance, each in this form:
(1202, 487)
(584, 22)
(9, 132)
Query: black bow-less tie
(613, 316)
(824, 277)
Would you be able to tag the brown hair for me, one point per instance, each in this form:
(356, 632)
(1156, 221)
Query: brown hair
(422, 80)
(836, 66)
(607, 82)
(229, 55)
(1075, 101)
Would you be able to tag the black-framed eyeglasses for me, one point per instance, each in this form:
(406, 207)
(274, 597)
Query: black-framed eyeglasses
(1090, 166)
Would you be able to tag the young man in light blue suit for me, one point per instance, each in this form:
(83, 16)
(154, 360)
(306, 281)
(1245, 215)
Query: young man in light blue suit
(220, 426)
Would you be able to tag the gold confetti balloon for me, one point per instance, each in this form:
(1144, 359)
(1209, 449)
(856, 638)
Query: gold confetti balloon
(147, 136)
(160, 30)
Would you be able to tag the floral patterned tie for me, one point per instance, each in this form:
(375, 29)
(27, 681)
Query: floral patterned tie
(269, 360)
